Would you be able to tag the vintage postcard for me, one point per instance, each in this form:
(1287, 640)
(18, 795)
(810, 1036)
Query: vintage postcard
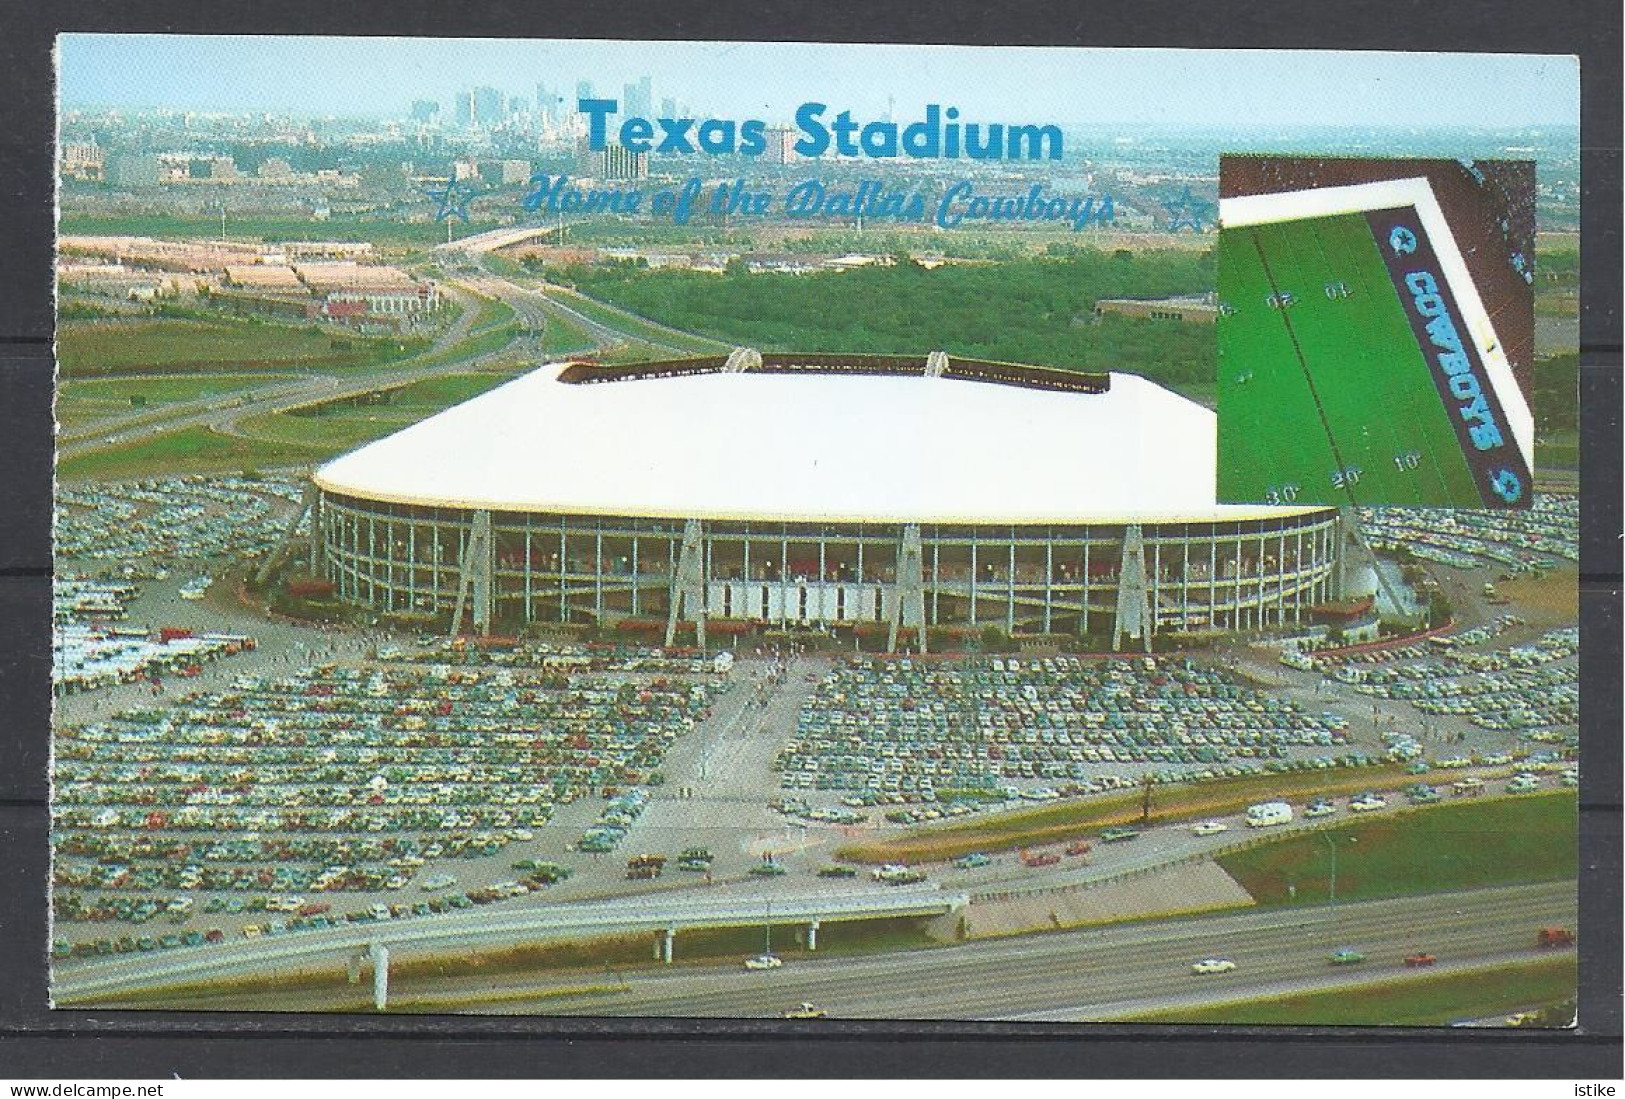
(816, 532)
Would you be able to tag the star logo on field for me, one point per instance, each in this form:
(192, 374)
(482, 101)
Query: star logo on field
(1188, 211)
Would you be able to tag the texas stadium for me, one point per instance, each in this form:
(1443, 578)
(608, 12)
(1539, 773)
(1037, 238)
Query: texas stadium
(878, 494)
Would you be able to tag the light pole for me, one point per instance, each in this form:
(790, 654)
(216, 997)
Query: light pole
(1331, 883)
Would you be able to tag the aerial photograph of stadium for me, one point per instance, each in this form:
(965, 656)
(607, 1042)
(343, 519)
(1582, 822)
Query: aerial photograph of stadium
(561, 531)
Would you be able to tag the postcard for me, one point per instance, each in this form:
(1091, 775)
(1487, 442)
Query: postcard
(815, 532)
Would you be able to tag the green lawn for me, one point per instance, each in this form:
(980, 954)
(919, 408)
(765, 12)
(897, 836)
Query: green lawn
(1073, 818)
(80, 399)
(189, 450)
(384, 233)
(340, 426)
(1418, 1001)
(1453, 845)
(173, 345)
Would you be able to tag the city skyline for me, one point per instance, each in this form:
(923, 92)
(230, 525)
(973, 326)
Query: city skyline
(383, 77)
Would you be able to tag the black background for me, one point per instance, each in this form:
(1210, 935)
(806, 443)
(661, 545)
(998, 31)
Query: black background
(80, 1045)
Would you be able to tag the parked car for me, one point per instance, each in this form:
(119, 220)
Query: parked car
(1345, 956)
(1118, 835)
(1209, 828)
(764, 961)
(1419, 959)
(972, 861)
(1213, 965)
(806, 1010)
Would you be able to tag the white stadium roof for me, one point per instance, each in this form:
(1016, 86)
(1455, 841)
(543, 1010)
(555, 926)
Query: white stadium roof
(823, 447)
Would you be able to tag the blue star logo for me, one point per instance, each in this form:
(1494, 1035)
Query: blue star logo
(452, 198)
(1188, 211)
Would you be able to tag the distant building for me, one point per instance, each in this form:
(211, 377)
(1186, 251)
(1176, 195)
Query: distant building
(504, 173)
(668, 107)
(639, 98)
(611, 162)
(425, 110)
(781, 145)
(583, 90)
(134, 171)
(275, 168)
(83, 160)
(1198, 309)
(487, 107)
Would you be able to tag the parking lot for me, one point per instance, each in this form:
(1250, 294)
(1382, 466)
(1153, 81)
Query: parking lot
(318, 773)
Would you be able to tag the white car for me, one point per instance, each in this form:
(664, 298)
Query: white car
(764, 961)
(1209, 828)
(1319, 809)
(1213, 965)
(1367, 804)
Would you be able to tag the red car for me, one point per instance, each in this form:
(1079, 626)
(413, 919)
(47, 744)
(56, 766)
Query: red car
(1419, 958)
(1047, 858)
(1082, 847)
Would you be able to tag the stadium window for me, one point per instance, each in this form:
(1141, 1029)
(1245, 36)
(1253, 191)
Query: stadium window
(764, 602)
(801, 603)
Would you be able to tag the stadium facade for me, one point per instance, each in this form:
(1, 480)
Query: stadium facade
(827, 491)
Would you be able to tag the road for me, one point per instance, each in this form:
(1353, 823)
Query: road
(1098, 973)
(530, 305)
(1069, 976)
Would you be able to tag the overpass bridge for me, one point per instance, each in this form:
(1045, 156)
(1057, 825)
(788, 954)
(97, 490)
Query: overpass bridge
(465, 930)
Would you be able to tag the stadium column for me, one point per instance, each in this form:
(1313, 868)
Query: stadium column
(1083, 620)
(411, 564)
(1049, 575)
(1010, 587)
(688, 584)
(1133, 615)
(476, 582)
(908, 592)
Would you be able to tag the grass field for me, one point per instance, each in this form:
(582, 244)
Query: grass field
(385, 233)
(340, 426)
(174, 346)
(1433, 1000)
(1331, 381)
(636, 327)
(189, 450)
(1068, 819)
(82, 399)
(1453, 845)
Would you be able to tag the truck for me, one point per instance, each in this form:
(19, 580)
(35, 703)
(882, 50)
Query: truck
(1268, 813)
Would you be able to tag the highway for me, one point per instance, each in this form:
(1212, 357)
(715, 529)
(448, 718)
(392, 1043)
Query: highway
(1096, 973)
(1072, 976)
(492, 927)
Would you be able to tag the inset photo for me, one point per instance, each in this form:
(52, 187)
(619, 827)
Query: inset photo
(1375, 332)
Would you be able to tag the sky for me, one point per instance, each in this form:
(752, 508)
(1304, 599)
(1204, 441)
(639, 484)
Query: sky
(380, 77)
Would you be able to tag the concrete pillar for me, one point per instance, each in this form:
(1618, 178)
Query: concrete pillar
(659, 935)
(812, 936)
(353, 969)
(665, 945)
(380, 975)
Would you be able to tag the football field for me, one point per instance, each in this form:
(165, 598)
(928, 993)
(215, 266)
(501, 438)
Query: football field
(1347, 374)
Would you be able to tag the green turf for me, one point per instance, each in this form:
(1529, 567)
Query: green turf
(81, 399)
(189, 450)
(1451, 845)
(174, 345)
(340, 426)
(1369, 402)
(1434, 1000)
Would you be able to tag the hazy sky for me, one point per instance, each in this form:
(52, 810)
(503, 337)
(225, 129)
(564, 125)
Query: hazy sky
(381, 77)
